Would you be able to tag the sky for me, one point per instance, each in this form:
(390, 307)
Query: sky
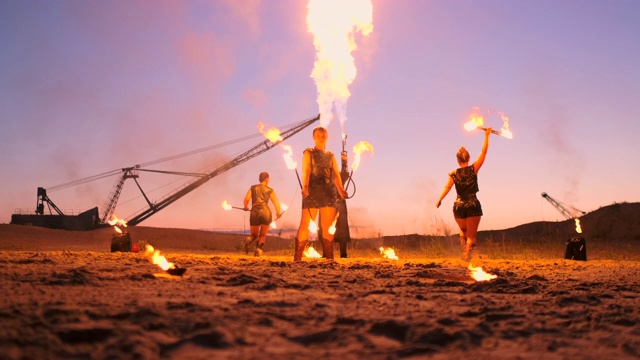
(88, 87)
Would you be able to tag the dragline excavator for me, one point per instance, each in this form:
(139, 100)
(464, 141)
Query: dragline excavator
(570, 214)
(87, 222)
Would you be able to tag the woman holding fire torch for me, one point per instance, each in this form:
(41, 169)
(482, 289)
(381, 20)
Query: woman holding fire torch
(467, 210)
(260, 217)
(320, 182)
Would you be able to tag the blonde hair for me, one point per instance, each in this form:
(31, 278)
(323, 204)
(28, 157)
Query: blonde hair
(462, 155)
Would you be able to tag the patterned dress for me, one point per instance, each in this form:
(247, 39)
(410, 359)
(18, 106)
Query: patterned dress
(322, 190)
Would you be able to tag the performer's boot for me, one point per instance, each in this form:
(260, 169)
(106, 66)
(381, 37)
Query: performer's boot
(247, 243)
(343, 249)
(300, 245)
(259, 250)
(328, 248)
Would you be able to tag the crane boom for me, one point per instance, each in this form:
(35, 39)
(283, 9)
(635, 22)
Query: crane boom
(563, 210)
(246, 156)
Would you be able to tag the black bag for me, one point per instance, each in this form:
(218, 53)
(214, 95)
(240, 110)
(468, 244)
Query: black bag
(121, 243)
(576, 249)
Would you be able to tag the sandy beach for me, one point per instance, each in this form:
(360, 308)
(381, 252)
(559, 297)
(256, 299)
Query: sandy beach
(74, 303)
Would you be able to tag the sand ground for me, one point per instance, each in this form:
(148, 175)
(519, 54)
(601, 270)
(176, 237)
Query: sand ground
(74, 303)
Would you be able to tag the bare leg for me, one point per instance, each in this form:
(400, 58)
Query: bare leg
(472, 232)
(462, 223)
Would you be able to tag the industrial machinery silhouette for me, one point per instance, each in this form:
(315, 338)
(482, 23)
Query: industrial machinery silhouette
(576, 247)
(89, 219)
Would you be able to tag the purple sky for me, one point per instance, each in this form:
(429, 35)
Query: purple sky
(88, 87)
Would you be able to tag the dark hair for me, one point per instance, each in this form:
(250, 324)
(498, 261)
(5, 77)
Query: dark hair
(263, 176)
(319, 128)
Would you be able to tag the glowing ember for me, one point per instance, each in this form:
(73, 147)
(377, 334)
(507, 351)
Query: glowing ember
(283, 208)
(388, 253)
(312, 253)
(332, 228)
(157, 259)
(358, 149)
(479, 275)
(578, 228)
(333, 24)
(226, 206)
(117, 223)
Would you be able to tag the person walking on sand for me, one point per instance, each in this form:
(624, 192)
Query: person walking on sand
(260, 217)
(467, 210)
(321, 187)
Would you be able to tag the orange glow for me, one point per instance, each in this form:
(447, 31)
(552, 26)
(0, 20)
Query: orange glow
(312, 253)
(479, 275)
(578, 228)
(505, 126)
(332, 228)
(157, 259)
(117, 223)
(388, 253)
(273, 134)
(333, 24)
(226, 205)
(313, 227)
(476, 120)
(358, 149)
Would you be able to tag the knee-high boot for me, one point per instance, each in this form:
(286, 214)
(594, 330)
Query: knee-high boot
(300, 245)
(328, 248)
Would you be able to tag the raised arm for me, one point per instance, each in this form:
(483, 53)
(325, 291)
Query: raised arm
(483, 153)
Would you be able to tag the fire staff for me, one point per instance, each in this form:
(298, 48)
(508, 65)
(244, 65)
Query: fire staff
(321, 188)
(467, 210)
(260, 217)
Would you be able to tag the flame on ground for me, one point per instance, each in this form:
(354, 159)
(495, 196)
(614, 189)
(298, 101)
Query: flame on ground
(479, 275)
(312, 253)
(225, 205)
(388, 253)
(358, 149)
(578, 228)
(116, 223)
(333, 24)
(157, 259)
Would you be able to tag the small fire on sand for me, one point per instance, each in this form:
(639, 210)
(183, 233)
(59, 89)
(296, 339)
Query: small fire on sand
(479, 275)
(388, 253)
(312, 253)
(157, 259)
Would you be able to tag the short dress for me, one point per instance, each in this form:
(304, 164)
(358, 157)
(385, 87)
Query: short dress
(260, 212)
(322, 190)
(466, 182)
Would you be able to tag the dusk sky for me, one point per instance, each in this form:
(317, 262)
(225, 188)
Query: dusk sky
(87, 87)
